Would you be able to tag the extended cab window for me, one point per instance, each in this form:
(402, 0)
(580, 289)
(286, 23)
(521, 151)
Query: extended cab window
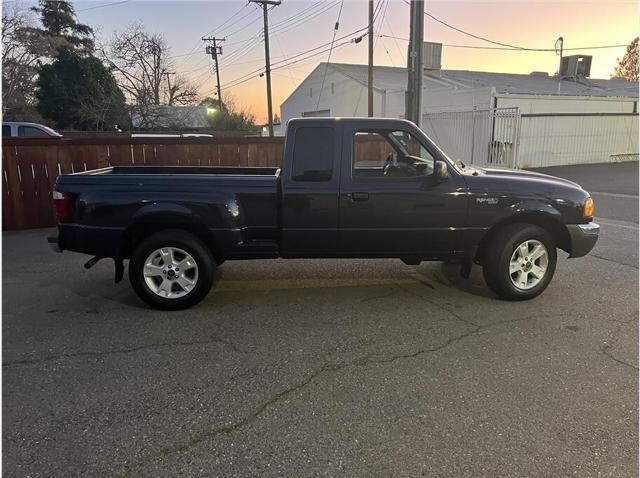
(6, 130)
(388, 155)
(313, 154)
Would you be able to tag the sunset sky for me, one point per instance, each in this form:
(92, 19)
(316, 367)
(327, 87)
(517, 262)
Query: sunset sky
(521, 23)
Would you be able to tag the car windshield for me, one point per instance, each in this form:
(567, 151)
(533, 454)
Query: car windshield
(49, 130)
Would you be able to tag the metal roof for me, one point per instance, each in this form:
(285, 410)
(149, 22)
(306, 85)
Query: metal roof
(394, 78)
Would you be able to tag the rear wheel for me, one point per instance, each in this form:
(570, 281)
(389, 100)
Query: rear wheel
(171, 270)
(520, 262)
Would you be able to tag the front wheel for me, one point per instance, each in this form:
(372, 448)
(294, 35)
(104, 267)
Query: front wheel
(171, 270)
(520, 262)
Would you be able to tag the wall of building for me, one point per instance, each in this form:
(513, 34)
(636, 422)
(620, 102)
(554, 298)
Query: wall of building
(553, 129)
(560, 130)
(341, 95)
(446, 99)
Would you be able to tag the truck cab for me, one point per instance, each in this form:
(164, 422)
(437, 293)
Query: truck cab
(368, 188)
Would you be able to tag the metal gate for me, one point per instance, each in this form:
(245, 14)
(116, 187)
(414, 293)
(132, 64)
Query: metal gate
(481, 137)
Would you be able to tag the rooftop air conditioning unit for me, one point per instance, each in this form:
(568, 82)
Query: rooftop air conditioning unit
(575, 66)
(431, 55)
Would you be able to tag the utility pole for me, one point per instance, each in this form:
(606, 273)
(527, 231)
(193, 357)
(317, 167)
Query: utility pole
(559, 45)
(169, 73)
(370, 83)
(214, 50)
(413, 110)
(267, 59)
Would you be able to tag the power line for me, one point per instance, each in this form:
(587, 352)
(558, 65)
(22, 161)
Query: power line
(282, 51)
(514, 49)
(196, 48)
(297, 55)
(243, 27)
(280, 28)
(303, 21)
(231, 18)
(326, 67)
(257, 38)
(395, 41)
(506, 45)
(473, 35)
(296, 15)
(102, 6)
(288, 63)
(249, 45)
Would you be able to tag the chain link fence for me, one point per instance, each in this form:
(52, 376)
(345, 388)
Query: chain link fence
(480, 137)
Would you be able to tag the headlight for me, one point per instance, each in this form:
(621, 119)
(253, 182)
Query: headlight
(588, 208)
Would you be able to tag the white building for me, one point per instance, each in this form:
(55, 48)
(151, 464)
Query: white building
(517, 120)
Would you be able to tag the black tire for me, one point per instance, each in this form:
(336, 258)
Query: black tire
(498, 255)
(179, 239)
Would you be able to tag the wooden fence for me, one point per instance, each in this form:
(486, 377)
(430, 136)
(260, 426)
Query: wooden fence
(31, 166)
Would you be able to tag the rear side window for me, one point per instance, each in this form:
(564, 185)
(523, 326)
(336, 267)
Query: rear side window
(6, 131)
(31, 132)
(313, 154)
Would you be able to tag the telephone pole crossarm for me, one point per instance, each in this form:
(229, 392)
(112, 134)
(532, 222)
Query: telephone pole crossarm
(214, 50)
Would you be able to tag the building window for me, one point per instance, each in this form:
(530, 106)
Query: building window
(332, 89)
(310, 92)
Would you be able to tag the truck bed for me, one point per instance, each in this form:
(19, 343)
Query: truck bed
(217, 170)
(241, 205)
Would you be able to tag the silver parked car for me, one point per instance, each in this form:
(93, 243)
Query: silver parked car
(19, 129)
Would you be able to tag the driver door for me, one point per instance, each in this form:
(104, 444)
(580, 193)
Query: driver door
(391, 204)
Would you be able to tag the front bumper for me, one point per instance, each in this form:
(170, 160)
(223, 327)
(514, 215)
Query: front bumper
(583, 238)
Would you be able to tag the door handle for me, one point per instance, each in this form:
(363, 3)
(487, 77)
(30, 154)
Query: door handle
(358, 196)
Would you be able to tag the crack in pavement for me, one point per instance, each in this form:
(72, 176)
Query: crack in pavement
(213, 338)
(605, 350)
(606, 347)
(375, 297)
(326, 368)
(602, 258)
(453, 314)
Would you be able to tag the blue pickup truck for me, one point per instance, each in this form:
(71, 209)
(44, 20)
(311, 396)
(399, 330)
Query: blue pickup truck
(350, 188)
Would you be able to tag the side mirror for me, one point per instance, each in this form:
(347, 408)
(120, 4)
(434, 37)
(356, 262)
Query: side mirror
(440, 171)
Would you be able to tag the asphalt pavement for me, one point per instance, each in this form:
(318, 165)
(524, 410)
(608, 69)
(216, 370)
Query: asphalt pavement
(327, 367)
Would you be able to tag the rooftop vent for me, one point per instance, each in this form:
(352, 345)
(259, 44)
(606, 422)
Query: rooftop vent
(575, 67)
(431, 55)
(539, 74)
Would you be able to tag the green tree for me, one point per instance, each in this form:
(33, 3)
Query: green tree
(229, 118)
(79, 92)
(20, 65)
(60, 29)
(628, 66)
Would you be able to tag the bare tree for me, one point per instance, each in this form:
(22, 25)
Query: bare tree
(143, 68)
(628, 66)
(19, 63)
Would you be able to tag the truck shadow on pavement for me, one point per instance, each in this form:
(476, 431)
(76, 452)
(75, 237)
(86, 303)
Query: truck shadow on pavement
(253, 277)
